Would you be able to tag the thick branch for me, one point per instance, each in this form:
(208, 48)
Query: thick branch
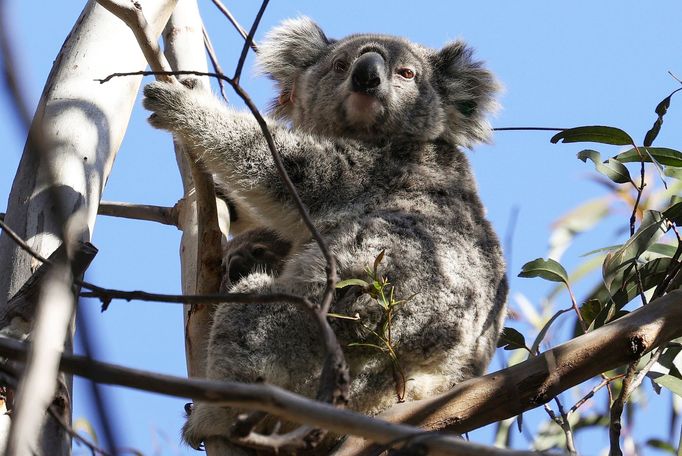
(263, 397)
(507, 393)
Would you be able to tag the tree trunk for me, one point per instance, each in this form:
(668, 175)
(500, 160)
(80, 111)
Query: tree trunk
(80, 123)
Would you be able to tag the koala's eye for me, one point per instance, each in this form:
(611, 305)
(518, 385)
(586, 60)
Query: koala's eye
(407, 73)
(340, 66)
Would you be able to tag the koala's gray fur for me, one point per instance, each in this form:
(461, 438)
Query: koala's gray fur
(375, 155)
(255, 250)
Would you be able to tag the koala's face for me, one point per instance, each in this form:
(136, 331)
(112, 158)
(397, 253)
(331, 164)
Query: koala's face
(369, 87)
(377, 87)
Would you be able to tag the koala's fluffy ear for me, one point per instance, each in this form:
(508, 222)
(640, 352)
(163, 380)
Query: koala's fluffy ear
(288, 50)
(467, 92)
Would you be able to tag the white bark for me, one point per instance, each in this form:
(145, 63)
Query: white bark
(82, 124)
(184, 50)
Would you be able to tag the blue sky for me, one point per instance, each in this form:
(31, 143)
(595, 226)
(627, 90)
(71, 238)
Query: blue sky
(563, 64)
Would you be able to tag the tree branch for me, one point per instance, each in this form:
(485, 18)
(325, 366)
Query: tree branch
(268, 398)
(159, 214)
(506, 393)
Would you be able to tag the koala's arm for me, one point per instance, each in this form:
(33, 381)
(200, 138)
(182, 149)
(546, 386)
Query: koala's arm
(230, 144)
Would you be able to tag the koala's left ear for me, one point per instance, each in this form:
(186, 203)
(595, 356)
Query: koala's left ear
(467, 91)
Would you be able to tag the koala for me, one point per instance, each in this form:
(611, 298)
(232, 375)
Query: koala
(371, 130)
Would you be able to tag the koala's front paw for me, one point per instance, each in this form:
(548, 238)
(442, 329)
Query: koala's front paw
(168, 101)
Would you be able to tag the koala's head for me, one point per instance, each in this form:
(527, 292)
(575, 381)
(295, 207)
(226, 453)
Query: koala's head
(377, 87)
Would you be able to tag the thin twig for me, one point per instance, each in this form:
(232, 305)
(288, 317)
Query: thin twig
(214, 62)
(247, 43)
(223, 9)
(605, 381)
(562, 422)
(528, 129)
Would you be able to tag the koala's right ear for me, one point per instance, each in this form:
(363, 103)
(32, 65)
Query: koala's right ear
(289, 49)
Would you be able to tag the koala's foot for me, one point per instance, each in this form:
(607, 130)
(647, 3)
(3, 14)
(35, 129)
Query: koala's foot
(169, 102)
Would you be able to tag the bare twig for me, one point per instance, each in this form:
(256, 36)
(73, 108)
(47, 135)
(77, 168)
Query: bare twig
(214, 62)
(562, 422)
(528, 129)
(605, 381)
(159, 214)
(249, 40)
(234, 23)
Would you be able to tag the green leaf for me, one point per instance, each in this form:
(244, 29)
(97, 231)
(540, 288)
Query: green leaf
(543, 332)
(596, 133)
(670, 382)
(660, 110)
(674, 214)
(607, 315)
(545, 269)
(350, 282)
(625, 288)
(602, 250)
(675, 173)
(667, 250)
(663, 155)
(652, 227)
(590, 309)
(511, 339)
(661, 445)
(377, 261)
(611, 168)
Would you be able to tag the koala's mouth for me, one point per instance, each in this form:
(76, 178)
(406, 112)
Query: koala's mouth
(363, 110)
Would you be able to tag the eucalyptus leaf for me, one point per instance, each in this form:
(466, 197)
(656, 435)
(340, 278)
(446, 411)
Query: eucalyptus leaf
(663, 155)
(611, 168)
(660, 110)
(652, 227)
(675, 173)
(661, 445)
(590, 309)
(543, 332)
(602, 250)
(674, 214)
(511, 339)
(670, 382)
(350, 282)
(626, 288)
(667, 250)
(546, 269)
(596, 133)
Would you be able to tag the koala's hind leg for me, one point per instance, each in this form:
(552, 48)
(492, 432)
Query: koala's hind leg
(276, 343)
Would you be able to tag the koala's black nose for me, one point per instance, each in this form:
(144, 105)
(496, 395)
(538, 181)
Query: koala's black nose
(367, 72)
